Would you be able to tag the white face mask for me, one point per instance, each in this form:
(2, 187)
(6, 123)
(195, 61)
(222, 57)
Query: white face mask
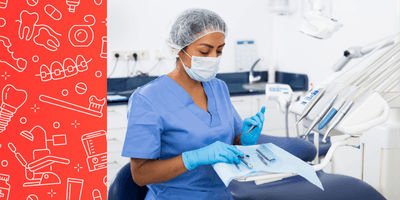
(203, 68)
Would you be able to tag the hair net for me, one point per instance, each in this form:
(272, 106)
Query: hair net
(188, 27)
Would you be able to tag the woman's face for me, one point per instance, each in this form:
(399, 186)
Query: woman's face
(211, 45)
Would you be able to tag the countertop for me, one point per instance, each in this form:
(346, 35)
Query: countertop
(235, 81)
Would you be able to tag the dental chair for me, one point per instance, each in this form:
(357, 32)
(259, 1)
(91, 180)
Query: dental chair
(302, 149)
(337, 187)
(124, 188)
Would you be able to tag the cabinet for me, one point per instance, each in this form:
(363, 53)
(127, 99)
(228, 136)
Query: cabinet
(116, 129)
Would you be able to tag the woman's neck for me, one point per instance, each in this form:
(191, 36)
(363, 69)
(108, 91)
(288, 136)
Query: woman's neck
(180, 76)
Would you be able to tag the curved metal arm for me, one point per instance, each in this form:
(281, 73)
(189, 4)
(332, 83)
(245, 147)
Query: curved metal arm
(356, 52)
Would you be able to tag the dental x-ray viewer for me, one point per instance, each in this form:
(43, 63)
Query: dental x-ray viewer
(182, 122)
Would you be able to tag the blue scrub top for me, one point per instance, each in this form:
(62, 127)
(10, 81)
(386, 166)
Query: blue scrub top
(164, 122)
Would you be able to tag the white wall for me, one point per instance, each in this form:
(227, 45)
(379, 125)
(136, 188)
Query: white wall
(140, 25)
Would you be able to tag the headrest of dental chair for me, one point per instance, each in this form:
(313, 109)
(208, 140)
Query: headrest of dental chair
(302, 149)
(337, 187)
(123, 187)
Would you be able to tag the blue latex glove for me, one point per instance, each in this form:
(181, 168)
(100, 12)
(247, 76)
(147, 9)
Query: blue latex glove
(213, 153)
(256, 120)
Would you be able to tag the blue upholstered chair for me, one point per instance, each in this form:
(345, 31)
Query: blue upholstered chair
(124, 188)
(300, 148)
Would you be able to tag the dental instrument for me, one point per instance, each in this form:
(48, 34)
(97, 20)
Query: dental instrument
(258, 151)
(373, 84)
(251, 128)
(317, 94)
(337, 105)
(237, 166)
(242, 159)
(320, 115)
(357, 79)
(309, 100)
(262, 159)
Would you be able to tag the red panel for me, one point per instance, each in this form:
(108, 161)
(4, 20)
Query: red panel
(53, 99)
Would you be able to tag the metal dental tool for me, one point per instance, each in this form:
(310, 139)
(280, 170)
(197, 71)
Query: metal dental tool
(237, 166)
(247, 164)
(250, 130)
(262, 159)
(320, 115)
(258, 151)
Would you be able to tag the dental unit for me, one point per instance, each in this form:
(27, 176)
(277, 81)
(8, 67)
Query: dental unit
(356, 79)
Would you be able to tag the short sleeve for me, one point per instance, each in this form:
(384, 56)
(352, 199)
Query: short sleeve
(143, 135)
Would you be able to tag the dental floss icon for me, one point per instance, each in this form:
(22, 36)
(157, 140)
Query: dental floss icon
(82, 35)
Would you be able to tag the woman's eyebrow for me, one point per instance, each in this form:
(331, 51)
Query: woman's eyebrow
(208, 45)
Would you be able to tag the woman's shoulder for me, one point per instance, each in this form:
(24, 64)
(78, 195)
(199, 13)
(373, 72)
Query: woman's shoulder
(215, 82)
(150, 89)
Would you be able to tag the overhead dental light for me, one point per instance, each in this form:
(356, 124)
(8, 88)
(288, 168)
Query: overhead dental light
(317, 25)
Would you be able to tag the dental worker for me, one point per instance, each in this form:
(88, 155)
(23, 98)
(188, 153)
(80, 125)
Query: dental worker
(182, 122)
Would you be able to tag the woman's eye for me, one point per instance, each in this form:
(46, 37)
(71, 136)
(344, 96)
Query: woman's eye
(220, 52)
(204, 53)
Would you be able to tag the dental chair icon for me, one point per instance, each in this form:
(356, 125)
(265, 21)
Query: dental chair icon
(39, 178)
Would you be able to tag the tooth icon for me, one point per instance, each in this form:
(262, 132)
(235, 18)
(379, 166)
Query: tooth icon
(45, 73)
(27, 24)
(18, 64)
(69, 67)
(47, 40)
(57, 70)
(12, 100)
(81, 63)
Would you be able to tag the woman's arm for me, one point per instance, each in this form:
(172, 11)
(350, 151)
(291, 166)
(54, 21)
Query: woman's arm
(236, 141)
(149, 171)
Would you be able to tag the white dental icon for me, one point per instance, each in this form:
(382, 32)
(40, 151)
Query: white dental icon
(74, 189)
(103, 53)
(3, 4)
(95, 105)
(59, 71)
(2, 22)
(44, 34)
(12, 99)
(72, 5)
(96, 195)
(95, 144)
(42, 159)
(19, 64)
(82, 35)
(32, 2)
(52, 12)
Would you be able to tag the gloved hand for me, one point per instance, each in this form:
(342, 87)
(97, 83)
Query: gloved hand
(213, 153)
(256, 120)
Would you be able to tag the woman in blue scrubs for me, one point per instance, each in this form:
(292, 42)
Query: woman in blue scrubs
(182, 122)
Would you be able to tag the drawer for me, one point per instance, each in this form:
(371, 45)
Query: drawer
(116, 117)
(242, 105)
(112, 170)
(112, 157)
(117, 134)
(114, 146)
